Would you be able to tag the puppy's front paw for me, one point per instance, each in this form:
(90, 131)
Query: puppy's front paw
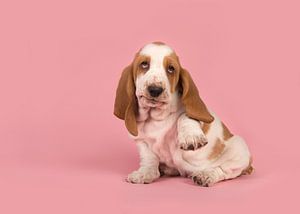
(192, 141)
(143, 176)
(205, 178)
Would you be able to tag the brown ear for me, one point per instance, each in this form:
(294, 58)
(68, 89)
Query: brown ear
(125, 106)
(194, 106)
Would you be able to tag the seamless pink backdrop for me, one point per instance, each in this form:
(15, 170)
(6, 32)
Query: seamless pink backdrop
(62, 150)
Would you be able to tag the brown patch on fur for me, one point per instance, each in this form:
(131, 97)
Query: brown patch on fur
(173, 60)
(226, 133)
(126, 106)
(158, 43)
(194, 106)
(217, 149)
(249, 170)
(181, 79)
(205, 128)
(136, 64)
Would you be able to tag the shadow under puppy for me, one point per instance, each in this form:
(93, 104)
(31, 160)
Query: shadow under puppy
(174, 131)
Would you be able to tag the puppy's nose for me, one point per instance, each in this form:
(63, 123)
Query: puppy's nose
(155, 91)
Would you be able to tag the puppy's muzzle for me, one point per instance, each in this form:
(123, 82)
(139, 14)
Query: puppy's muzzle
(155, 91)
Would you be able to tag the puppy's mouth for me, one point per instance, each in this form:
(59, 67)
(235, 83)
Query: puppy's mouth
(151, 101)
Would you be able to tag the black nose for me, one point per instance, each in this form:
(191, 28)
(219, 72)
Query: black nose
(155, 91)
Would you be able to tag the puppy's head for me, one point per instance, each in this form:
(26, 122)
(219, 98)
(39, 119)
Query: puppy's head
(151, 80)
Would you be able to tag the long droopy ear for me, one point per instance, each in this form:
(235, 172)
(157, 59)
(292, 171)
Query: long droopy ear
(194, 106)
(125, 106)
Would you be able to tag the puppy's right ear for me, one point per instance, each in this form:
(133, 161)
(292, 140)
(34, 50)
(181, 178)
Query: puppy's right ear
(126, 105)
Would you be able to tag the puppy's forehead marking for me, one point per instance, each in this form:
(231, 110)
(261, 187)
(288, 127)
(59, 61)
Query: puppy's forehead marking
(155, 50)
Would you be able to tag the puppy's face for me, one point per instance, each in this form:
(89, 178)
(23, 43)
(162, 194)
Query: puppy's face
(157, 72)
(151, 81)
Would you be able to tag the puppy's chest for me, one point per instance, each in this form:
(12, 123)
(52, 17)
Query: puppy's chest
(160, 136)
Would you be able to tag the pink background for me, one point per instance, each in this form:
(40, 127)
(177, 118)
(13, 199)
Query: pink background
(63, 151)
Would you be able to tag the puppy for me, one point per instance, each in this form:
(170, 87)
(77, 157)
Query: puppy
(174, 131)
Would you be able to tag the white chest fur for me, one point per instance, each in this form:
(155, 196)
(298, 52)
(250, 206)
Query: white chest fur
(160, 134)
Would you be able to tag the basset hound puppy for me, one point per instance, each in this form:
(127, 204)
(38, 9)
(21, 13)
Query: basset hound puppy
(174, 131)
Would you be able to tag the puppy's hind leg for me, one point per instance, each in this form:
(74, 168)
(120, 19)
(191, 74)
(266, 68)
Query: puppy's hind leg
(234, 162)
(210, 176)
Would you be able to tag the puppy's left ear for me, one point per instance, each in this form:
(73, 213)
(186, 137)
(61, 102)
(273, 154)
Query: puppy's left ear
(125, 106)
(194, 106)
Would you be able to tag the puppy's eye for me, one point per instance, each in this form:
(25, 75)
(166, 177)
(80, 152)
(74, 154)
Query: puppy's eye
(171, 69)
(144, 65)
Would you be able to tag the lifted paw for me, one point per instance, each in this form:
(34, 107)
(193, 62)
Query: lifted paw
(192, 142)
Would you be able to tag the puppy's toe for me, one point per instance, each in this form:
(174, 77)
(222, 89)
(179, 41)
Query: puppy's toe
(192, 142)
(205, 179)
(143, 176)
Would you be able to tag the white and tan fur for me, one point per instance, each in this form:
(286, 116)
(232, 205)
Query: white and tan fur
(172, 143)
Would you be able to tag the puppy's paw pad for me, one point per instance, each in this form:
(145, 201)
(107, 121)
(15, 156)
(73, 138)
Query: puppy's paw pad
(143, 176)
(192, 142)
